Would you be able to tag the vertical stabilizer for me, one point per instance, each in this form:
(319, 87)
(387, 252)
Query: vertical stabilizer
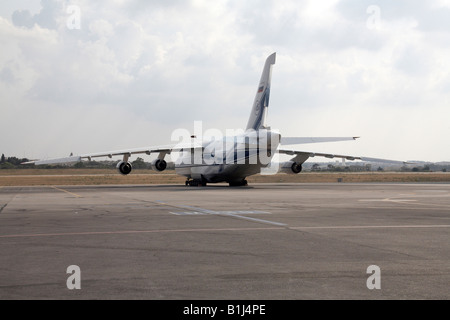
(261, 102)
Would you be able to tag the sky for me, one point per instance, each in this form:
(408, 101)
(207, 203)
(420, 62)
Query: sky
(83, 76)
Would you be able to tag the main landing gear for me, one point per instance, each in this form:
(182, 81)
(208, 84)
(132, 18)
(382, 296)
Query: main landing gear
(238, 183)
(195, 183)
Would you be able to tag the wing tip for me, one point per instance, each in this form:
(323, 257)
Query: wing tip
(28, 162)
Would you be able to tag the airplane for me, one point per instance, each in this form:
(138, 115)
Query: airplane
(229, 159)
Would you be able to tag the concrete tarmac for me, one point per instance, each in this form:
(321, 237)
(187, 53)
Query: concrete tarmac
(264, 241)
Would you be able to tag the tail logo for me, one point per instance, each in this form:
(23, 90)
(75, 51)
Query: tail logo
(258, 107)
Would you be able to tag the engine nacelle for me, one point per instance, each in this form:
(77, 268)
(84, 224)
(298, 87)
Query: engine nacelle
(124, 167)
(290, 167)
(159, 165)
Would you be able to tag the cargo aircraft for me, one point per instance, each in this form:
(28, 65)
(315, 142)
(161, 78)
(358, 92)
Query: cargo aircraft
(228, 159)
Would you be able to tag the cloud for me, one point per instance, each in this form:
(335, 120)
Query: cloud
(7, 75)
(23, 18)
(46, 18)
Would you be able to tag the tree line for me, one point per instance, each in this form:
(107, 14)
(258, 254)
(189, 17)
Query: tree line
(11, 162)
(16, 163)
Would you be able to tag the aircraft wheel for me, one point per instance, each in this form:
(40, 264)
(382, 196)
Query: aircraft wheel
(238, 183)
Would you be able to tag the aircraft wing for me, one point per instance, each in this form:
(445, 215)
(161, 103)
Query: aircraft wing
(126, 153)
(304, 140)
(302, 156)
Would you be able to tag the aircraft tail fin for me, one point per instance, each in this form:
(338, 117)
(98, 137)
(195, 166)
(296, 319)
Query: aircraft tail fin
(261, 102)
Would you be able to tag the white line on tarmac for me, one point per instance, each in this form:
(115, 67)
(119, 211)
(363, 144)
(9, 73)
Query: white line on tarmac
(375, 227)
(230, 214)
(217, 230)
(133, 232)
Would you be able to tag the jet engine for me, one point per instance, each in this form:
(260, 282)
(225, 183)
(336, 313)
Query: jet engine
(124, 167)
(159, 165)
(290, 167)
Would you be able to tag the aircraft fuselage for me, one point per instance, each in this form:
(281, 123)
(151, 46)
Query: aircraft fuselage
(229, 159)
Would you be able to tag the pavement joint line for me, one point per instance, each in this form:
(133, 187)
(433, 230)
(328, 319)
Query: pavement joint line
(373, 227)
(136, 232)
(74, 194)
(12, 198)
(216, 229)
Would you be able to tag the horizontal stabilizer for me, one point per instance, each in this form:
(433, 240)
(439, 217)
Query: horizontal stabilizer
(304, 140)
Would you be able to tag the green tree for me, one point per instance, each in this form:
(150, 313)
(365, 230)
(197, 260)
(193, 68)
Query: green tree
(6, 165)
(79, 165)
(2, 159)
(139, 164)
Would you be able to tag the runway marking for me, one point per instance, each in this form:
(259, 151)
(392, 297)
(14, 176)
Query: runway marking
(214, 230)
(376, 227)
(74, 194)
(135, 232)
(387, 200)
(406, 201)
(252, 219)
(187, 213)
(236, 214)
(201, 211)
